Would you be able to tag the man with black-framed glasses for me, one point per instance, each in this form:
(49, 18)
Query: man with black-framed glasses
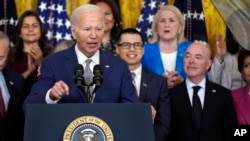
(150, 88)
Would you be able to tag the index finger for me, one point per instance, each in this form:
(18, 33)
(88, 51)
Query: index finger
(65, 88)
(169, 72)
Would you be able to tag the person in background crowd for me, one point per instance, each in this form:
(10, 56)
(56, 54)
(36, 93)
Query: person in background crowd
(224, 70)
(241, 96)
(164, 54)
(11, 97)
(29, 47)
(150, 87)
(57, 86)
(113, 23)
(200, 109)
(62, 45)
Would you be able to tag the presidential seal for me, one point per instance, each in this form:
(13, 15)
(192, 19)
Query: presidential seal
(88, 128)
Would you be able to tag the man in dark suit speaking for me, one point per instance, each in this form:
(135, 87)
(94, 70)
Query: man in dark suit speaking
(150, 87)
(56, 83)
(200, 110)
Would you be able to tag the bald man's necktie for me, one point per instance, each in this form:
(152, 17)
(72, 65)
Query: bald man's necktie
(197, 106)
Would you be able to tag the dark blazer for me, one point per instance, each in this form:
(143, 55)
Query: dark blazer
(12, 126)
(116, 86)
(154, 90)
(217, 117)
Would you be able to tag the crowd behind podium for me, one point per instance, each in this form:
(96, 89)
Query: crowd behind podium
(161, 71)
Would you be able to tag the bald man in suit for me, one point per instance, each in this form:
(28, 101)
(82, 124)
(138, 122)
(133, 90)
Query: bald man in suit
(216, 112)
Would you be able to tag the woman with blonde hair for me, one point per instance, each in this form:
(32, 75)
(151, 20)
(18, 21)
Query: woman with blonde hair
(164, 54)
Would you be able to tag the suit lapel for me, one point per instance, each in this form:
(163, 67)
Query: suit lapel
(209, 94)
(71, 61)
(106, 66)
(188, 105)
(156, 56)
(105, 63)
(184, 99)
(8, 81)
(144, 85)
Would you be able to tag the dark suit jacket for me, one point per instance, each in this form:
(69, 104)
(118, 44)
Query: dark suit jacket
(154, 90)
(116, 86)
(11, 127)
(217, 117)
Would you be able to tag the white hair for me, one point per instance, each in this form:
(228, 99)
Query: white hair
(84, 9)
(3, 36)
(205, 44)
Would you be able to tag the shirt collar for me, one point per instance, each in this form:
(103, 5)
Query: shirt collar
(190, 84)
(1, 75)
(138, 71)
(82, 58)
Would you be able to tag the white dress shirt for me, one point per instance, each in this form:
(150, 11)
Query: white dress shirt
(201, 92)
(169, 60)
(82, 58)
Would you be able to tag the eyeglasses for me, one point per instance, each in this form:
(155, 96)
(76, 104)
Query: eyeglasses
(127, 45)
